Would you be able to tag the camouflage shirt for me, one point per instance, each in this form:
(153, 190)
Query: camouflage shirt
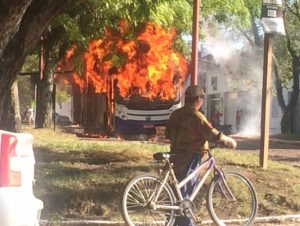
(189, 131)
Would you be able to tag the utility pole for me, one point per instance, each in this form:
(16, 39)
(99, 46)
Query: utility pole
(266, 100)
(272, 21)
(195, 41)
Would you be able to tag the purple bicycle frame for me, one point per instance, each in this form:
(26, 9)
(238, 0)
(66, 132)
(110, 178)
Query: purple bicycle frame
(210, 164)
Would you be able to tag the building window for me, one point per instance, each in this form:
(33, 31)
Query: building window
(214, 83)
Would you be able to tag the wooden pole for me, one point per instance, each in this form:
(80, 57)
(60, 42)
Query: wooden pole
(195, 41)
(266, 97)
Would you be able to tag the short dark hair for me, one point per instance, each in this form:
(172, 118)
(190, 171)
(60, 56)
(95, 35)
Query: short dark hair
(191, 100)
(194, 91)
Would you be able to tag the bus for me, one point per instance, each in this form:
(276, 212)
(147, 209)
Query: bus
(140, 115)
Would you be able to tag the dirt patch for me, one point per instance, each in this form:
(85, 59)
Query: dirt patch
(287, 151)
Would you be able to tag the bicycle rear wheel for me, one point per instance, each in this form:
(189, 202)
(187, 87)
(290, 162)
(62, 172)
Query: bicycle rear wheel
(237, 209)
(136, 204)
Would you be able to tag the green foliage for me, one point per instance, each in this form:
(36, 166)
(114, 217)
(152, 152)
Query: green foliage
(71, 27)
(25, 83)
(31, 64)
(183, 47)
(282, 53)
(26, 94)
(284, 60)
(292, 22)
(175, 13)
(254, 7)
(89, 19)
(62, 95)
(225, 10)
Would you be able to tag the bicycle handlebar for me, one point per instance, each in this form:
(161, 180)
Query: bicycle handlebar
(159, 156)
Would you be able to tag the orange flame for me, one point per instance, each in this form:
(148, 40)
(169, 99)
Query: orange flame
(153, 70)
(66, 68)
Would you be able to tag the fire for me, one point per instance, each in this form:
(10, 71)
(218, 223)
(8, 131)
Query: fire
(96, 66)
(153, 70)
(66, 66)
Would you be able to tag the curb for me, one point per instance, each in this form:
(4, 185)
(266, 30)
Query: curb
(269, 219)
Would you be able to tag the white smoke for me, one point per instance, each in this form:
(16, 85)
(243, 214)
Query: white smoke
(242, 64)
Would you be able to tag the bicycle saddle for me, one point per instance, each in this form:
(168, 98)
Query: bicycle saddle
(161, 155)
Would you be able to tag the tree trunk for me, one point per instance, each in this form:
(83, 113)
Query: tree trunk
(44, 103)
(295, 93)
(278, 86)
(11, 120)
(285, 122)
(22, 41)
(289, 110)
(11, 14)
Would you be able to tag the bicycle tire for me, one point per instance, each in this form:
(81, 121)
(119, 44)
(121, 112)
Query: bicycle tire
(226, 211)
(135, 208)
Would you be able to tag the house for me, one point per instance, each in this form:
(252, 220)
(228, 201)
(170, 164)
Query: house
(233, 84)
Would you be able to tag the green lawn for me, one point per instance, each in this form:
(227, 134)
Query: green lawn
(85, 178)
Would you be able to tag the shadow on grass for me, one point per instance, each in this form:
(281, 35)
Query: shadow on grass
(84, 185)
(285, 159)
(99, 157)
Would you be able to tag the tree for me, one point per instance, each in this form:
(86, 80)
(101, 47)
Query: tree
(286, 58)
(25, 24)
(287, 65)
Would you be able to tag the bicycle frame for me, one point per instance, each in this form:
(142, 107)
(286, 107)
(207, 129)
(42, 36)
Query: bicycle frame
(209, 164)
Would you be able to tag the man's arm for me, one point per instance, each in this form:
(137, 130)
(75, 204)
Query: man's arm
(213, 134)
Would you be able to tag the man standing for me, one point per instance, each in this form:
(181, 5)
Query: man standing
(189, 132)
(238, 117)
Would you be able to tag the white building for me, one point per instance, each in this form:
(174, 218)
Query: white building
(234, 83)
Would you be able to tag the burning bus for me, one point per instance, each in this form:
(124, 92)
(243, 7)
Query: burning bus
(149, 84)
(141, 79)
(140, 115)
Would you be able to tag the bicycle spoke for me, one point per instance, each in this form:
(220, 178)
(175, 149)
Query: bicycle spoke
(140, 192)
(136, 203)
(233, 200)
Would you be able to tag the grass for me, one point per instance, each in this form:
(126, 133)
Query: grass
(85, 178)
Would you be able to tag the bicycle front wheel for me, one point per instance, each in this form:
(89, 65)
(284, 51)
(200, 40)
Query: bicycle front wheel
(138, 207)
(232, 200)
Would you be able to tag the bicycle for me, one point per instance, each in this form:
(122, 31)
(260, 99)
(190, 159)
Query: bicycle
(150, 200)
